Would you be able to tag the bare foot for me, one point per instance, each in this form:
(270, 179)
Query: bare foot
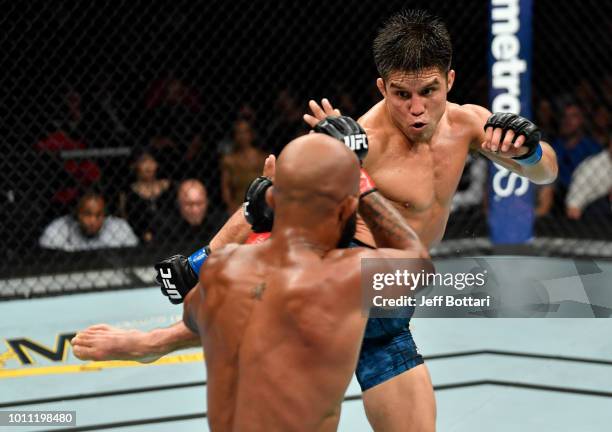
(104, 342)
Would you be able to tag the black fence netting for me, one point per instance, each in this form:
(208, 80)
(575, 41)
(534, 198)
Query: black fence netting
(132, 128)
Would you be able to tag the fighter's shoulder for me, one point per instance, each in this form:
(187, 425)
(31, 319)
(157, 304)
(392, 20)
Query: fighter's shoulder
(346, 255)
(468, 114)
(343, 264)
(375, 126)
(354, 255)
(218, 257)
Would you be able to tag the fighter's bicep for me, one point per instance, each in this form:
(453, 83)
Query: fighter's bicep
(477, 118)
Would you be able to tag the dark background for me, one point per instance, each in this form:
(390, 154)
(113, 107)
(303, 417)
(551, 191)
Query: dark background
(233, 54)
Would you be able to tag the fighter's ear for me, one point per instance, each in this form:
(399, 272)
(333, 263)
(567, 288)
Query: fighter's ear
(380, 83)
(270, 197)
(450, 79)
(348, 207)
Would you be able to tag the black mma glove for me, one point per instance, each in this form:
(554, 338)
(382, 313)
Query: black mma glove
(346, 130)
(520, 126)
(256, 210)
(176, 278)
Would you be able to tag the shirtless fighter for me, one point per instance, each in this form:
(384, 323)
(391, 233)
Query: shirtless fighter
(418, 144)
(281, 322)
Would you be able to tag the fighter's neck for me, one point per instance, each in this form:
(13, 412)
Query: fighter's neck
(296, 238)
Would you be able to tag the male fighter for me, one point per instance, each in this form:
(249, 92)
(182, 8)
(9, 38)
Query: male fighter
(418, 143)
(282, 321)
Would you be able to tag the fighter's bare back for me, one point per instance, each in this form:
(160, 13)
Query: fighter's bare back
(278, 346)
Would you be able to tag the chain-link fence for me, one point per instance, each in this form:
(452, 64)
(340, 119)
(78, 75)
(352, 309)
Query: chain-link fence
(132, 128)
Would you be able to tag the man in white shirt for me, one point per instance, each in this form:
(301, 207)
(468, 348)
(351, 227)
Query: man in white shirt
(591, 181)
(88, 229)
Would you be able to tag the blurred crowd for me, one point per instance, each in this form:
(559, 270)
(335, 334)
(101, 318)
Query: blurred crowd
(579, 204)
(172, 178)
(578, 127)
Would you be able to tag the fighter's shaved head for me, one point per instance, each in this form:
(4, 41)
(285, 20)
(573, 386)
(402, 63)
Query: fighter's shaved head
(316, 167)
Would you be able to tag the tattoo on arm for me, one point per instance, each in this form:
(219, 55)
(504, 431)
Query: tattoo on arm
(386, 223)
(257, 292)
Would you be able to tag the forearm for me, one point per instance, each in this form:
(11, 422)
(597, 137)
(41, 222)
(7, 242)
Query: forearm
(389, 228)
(235, 230)
(165, 340)
(543, 172)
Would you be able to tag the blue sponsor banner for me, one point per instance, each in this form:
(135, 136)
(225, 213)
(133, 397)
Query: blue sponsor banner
(511, 197)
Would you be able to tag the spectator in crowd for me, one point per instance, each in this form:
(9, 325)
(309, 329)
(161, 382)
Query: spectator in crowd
(189, 222)
(572, 146)
(89, 228)
(245, 113)
(607, 89)
(602, 126)
(585, 97)
(240, 166)
(545, 199)
(591, 187)
(174, 91)
(546, 120)
(146, 197)
(66, 177)
(287, 122)
(173, 126)
(92, 118)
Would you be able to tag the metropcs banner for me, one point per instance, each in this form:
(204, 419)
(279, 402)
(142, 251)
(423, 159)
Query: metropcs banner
(511, 197)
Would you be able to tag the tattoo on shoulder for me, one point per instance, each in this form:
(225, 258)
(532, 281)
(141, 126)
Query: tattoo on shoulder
(257, 292)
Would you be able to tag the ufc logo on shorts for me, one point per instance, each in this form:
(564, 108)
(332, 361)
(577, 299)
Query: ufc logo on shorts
(356, 142)
(168, 285)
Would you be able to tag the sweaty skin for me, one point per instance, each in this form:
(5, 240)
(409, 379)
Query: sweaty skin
(419, 179)
(419, 170)
(104, 342)
(418, 143)
(281, 321)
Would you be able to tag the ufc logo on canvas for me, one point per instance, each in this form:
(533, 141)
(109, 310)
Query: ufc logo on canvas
(356, 142)
(166, 275)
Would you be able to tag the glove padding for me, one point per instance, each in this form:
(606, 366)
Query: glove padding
(256, 209)
(346, 130)
(520, 126)
(176, 278)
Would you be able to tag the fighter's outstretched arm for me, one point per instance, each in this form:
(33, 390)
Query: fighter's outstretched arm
(104, 342)
(527, 155)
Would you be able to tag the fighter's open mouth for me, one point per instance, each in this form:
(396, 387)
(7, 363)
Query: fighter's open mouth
(418, 125)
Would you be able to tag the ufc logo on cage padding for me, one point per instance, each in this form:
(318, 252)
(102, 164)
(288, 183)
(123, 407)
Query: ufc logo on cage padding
(168, 285)
(356, 142)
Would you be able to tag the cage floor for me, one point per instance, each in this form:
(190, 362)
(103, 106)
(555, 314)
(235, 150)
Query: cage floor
(489, 374)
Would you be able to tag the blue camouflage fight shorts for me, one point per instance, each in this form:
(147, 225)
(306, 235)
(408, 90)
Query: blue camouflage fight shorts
(387, 349)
